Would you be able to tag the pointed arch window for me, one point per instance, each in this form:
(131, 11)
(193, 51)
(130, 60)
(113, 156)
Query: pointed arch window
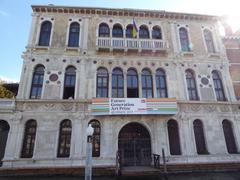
(147, 85)
(37, 82)
(132, 83)
(229, 137)
(209, 41)
(45, 33)
(69, 83)
(129, 31)
(102, 82)
(117, 31)
(104, 30)
(143, 32)
(117, 83)
(29, 139)
(156, 33)
(218, 86)
(74, 32)
(191, 85)
(173, 137)
(161, 84)
(184, 40)
(4, 130)
(199, 137)
(64, 141)
(96, 138)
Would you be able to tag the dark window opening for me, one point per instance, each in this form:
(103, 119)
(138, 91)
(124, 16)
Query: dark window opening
(4, 130)
(103, 30)
(117, 31)
(143, 32)
(156, 33)
(161, 84)
(64, 142)
(96, 138)
(218, 86)
(173, 136)
(129, 31)
(69, 83)
(132, 84)
(74, 31)
(117, 83)
(209, 41)
(102, 82)
(199, 137)
(183, 33)
(45, 33)
(147, 86)
(191, 85)
(29, 139)
(37, 82)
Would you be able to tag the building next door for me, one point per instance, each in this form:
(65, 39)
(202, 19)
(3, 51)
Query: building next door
(4, 129)
(134, 144)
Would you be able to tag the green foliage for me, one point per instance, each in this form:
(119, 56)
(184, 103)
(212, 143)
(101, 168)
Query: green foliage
(4, 93)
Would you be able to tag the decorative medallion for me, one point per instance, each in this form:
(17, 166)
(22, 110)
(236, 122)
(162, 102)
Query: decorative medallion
(204, 81)
(53, 77)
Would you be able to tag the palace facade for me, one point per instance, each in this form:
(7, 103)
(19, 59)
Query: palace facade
(146, 80)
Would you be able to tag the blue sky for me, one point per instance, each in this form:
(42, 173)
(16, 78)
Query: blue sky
(15, 18)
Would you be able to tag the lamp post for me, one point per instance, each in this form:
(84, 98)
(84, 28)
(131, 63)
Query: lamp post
(88, 165)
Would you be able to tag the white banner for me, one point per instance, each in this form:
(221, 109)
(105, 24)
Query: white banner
(127, 106)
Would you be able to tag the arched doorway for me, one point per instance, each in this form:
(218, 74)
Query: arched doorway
(4, 129)
(134, 144)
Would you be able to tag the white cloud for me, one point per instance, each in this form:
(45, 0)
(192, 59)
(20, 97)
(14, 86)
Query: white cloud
(9, 80)
(3, 13)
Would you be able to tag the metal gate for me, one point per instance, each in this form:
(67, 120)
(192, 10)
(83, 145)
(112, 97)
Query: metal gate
(135, 152)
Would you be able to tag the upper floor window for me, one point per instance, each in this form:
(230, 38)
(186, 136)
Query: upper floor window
(156, 33)
(161, 84)
(69, 83)
(191, 85)
(74, 31)
(173, 137)
(64, 141)
(117, 83)
(143, 32)
(218, 86)
(104, 30)
(96, 138)
(4, 129)
(209, 41)
(184, 41)
(102, 82)
(37, 82)
(45, 33)
(117, 31)
(132, 83)
(229, 137)
(129, 31)
(29, 139)
(147, 87)
(199, 137)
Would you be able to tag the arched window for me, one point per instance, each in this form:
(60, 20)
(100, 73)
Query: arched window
(103, 30)
(191, 85)
(102, 82)
(218, 86)
(64, 141)
(37, 82)
(161, 84)
(183, 34)
(132, 83)
(73, 40)
(156, 33)
(147, 86)
(96, 138)
(199, 137)
(117, 83)
(69, 83)
(209, 41)
(29, 139)
(173, 136)
(117, 31)
(129, 31)
(45, 33)
(143, 32)
(229, 137)
(4, 129)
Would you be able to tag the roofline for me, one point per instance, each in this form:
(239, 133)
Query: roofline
(121, 12)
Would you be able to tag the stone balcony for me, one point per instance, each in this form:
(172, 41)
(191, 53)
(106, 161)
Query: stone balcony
(126, 44)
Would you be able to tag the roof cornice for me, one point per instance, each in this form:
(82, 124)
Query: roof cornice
(121, 12)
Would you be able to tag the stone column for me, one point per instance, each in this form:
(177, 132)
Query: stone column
(125, 84)
(140, 85)
(154, 85)
(110, 85)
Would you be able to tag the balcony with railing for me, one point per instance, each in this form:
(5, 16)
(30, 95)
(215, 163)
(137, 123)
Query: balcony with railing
(126, 44)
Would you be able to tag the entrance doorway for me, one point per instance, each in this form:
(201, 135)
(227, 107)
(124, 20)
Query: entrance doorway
(4, 129)
(134, 144)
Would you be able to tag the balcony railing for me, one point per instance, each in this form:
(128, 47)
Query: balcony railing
(131, 44)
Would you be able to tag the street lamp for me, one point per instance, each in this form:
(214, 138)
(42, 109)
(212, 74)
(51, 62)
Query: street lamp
(88, 165)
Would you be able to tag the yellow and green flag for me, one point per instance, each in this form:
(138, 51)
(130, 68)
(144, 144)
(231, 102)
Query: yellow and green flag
(135, 30)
